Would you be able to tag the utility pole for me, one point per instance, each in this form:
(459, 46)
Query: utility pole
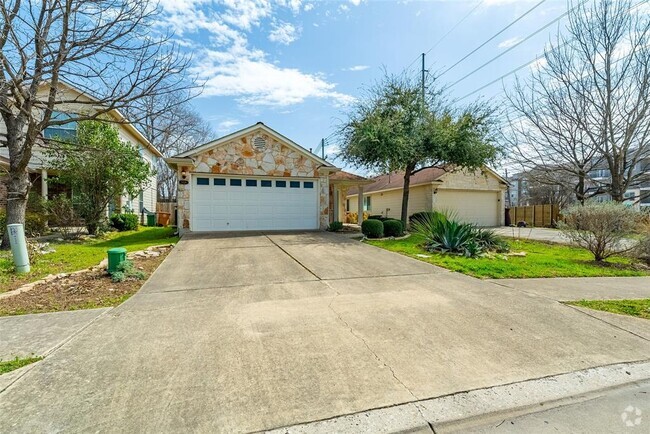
(322, 147)
(423, 72)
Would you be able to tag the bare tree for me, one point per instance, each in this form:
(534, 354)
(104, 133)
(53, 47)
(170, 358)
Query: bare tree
(170, 128)
(586, 107)
(107, 49)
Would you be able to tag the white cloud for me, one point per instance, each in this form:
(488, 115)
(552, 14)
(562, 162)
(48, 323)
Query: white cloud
(538, 64)
(284, 33)
(227, 125)
(227, 63)
(356, 2)
(309, 6)
(357, 68)
(249, 77)
(510, 42)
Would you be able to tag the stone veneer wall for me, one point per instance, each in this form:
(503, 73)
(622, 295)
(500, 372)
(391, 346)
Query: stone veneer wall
(241, 157)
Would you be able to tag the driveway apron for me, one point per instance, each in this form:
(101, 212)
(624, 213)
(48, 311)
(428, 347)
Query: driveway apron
(247, 332)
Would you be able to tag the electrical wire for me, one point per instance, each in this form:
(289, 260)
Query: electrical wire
(454, 27)
(493, 37)
(535, 33)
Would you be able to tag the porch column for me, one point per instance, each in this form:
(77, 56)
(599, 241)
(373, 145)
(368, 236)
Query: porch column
(336, 204)
(360, 205)
(44, 184)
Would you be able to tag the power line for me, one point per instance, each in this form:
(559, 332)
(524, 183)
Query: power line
(454, 27)
(535, 33)
(513, 71)
(493, 37)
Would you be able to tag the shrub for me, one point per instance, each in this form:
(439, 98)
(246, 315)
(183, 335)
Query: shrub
(642, 249)
(335, 226)
(393, 228)
(35, 224)
(599, 227)
(64, 217)
(372, 228)
(125, 222)
(444, 234)
(127, 270)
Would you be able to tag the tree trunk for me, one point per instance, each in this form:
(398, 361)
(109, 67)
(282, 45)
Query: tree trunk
(17, 192)
(580, 189)
(405, 193)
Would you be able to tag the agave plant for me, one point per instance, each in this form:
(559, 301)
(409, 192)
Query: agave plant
(443, 233)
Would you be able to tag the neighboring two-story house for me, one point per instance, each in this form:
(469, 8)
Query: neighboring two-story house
(38, 165)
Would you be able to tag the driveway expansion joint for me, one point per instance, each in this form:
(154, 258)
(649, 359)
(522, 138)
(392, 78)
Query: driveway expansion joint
(292, 257)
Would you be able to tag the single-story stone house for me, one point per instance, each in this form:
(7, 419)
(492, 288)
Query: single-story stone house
(257, 179)
(474, 196)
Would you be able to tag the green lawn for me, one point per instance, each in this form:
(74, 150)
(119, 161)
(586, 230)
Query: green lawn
(10, 365)
(541, 260)
(77, 255)
(638, 308)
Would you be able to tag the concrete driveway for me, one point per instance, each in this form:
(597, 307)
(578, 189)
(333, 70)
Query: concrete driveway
(247, 332)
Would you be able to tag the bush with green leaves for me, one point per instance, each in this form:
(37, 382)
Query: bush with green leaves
(125, 222)
(64, 217)
(35, 224)
(393, 228)
(126, 270)
(372, 228)
(600, 227)
(442, 233)
(335, 226)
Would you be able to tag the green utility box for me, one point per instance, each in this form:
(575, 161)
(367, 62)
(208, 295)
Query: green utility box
(151, 219)
(116, 256)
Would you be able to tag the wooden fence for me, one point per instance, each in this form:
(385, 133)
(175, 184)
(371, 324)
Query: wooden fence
(535, 215)
(169, 207)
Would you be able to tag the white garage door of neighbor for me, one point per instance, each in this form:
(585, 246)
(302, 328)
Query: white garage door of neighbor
(249, 203)
(478, 207)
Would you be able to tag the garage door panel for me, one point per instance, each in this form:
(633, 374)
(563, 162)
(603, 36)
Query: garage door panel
(478, 207)
(227, 207)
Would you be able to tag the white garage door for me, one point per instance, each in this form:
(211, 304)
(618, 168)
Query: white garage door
(478, 207)
(249, 203)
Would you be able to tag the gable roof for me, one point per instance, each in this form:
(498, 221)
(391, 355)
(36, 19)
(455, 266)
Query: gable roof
(259, 125)
(118, 117)
(395, 180)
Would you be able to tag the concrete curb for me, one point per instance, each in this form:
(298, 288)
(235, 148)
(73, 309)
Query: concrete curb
(465, 409)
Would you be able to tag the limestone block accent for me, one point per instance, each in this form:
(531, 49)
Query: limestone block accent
(269, 157)
(324, 201)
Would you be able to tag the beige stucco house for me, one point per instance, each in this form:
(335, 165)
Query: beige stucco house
(257, 179)
(474, 196)
(77, 101)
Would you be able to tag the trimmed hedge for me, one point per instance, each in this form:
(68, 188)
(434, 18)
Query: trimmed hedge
(335, 226)
(372, 228)
(125, 222)
(393, 228)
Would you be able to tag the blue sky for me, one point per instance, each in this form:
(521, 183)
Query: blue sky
(296, 65)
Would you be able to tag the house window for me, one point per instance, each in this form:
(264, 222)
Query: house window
(219, 181)
(266, 183)
(235, 182)
(347, 204)
(367, 204)
(251, 183)
(308, 184)
(202, 181)
(294, 184)
(63, 132)
(281, 184)
(141, 201)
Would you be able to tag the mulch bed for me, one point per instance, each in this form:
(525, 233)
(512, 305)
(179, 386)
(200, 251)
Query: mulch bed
(89, 290)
